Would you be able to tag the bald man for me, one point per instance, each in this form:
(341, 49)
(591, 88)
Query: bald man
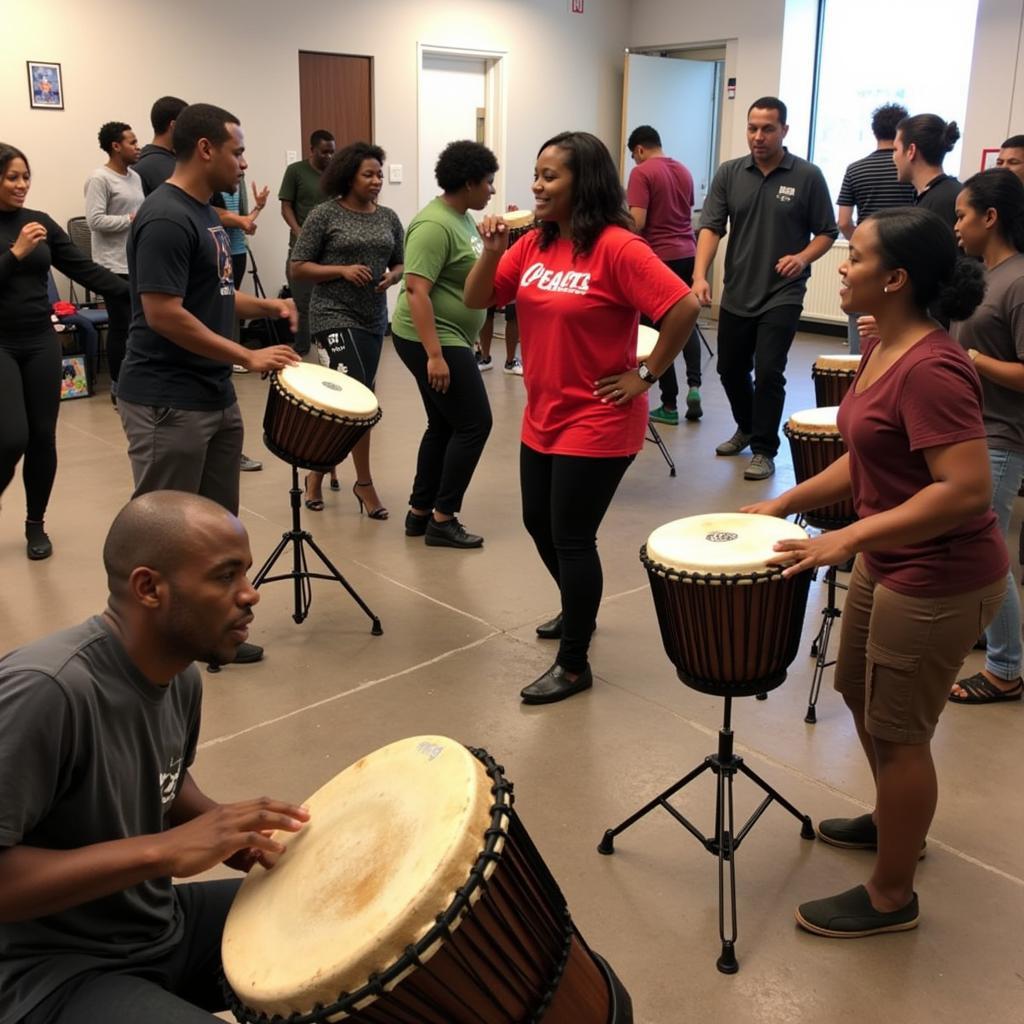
(98, 809)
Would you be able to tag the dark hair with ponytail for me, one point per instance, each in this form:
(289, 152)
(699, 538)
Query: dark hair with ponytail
(9, 153)
(921, 243)
(1000, 190)
(598, 199)
(930, 134)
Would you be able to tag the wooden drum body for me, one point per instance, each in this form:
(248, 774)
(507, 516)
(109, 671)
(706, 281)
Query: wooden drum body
(816, 443)
(315, 415)
(833, 376)
(414, 894)
(729, 622)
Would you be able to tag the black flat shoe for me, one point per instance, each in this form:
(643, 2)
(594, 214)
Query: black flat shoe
(554, 686)
(552, 629)
(38, 545)
(450, 534)
(247, 654)
(415, 526)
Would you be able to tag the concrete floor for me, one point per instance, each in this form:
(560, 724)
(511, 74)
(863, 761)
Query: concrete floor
(458, 644)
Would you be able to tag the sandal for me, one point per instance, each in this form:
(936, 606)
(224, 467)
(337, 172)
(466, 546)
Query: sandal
(379, 513)
(313, 504)
(335, 486)
(979, 689)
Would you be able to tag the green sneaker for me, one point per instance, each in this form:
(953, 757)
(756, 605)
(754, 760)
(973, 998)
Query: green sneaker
(663, 415)
(693, 406)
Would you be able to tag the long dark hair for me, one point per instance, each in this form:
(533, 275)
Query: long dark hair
(9, 153)
(598, 199)
(921, 243)
(933, 137)
(1000, 190)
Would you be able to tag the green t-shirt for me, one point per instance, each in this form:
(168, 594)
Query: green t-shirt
(300, 186)
(442, 245)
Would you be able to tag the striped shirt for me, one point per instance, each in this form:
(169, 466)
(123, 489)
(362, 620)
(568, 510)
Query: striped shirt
(871, 185)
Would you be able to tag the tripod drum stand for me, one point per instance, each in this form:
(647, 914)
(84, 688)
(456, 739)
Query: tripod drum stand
(731, 626)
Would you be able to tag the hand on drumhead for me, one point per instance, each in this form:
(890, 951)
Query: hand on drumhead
(620, 389)
(276, 357)
(356, 274)
(494, 231)
(438, 375)
(867, 327)
(220, 834)
(832, 548)
(775, 507)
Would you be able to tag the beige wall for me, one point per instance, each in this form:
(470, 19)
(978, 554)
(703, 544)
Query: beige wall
(564, 72)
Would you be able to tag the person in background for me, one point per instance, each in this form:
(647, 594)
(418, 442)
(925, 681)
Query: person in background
(660, 197)
(433, 331)
(990, 227)
(31, 244)
(871, 184)
(113, 194)
(1011, 155)
(299, 192)
(919, 149)
(351, 248)
(156, 161)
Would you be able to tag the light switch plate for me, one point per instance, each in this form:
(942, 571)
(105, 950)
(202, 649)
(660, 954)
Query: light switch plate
(395, 174)
(291, 156)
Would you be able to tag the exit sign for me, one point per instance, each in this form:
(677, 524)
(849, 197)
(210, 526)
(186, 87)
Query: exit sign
(576, 6)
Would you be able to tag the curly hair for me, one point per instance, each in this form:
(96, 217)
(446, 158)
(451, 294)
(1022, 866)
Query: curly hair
(884, 120)
(110, 133)
(464, 163)
(344, 166)
(598, 199)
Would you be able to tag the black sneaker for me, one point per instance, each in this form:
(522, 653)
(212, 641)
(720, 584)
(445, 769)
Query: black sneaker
(416, 526)
(450, 534)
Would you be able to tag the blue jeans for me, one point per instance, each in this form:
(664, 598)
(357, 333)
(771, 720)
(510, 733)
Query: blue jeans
(1004, 653)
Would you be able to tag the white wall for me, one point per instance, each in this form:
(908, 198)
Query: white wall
(564, 72)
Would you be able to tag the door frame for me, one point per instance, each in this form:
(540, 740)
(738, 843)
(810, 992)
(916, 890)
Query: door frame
(495, 104)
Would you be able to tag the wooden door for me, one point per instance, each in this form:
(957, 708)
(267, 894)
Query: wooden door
(336, 93)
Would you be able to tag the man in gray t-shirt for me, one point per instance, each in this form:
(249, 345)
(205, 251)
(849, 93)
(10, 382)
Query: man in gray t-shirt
(98, 810)
(781, 220)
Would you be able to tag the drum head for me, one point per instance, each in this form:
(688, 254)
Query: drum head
(389, 841)
(329, 390)
(815, 421)
(729, 543)
(646, 339)
(845, 363)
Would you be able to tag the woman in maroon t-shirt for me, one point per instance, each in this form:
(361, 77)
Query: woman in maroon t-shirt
(931, 563)
(579, 284)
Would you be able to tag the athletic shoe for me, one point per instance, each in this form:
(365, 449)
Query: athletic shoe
(694, 411)
(484, 364)
(761, 467)
(238, 368)
(734, 445)
(250, 465)
(665, 415)
(514, 366)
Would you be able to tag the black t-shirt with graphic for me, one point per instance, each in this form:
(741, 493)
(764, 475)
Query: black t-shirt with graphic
(90, 752)
(178, 247)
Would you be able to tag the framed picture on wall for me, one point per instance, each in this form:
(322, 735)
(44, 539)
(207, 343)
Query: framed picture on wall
(988, 158)
(45, 89)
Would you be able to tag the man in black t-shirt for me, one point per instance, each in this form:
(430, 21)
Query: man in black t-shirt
(98, 810)
(156, 161)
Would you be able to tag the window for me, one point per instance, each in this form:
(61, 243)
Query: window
(914, 52)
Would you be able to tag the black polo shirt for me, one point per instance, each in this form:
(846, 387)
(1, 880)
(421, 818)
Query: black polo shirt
(939, 196)
(770, 216)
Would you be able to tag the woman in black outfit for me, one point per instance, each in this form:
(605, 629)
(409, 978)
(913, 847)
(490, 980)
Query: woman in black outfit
(30, 355)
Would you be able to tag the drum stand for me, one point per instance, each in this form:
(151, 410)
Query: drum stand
(726, 840)
(300, 575)
(819, 646)
(655, 438)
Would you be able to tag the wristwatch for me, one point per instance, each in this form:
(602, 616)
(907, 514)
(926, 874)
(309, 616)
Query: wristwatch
(645, 374)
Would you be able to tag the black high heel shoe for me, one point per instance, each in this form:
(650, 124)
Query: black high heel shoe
(379, 513)
(335, 486)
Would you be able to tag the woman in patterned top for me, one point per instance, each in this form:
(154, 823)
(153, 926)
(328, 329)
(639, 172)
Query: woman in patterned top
(352, 249)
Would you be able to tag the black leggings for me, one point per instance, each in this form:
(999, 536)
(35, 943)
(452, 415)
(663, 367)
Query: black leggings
(668, 383)
(119, 314)
(458, 424)
(29, 403)
(565, 498)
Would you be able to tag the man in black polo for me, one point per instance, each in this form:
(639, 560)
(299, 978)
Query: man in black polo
(780, 214)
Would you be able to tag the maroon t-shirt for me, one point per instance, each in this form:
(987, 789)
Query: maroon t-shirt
(930, 397)
(664, 188)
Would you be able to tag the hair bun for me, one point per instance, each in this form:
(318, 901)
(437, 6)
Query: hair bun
(952, 134)
(962, 294)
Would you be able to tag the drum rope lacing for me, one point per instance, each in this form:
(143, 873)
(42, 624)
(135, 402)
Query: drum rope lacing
(510, 897)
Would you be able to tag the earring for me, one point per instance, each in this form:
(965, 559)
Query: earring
(885, 288)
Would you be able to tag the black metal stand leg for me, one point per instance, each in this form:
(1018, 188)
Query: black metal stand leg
(726, 840)
(704, 340)
(656, 439)
(300, 574)
(819, 647)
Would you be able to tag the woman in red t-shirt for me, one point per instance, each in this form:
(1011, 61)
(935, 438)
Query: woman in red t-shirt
(931, 563)
(579, 283)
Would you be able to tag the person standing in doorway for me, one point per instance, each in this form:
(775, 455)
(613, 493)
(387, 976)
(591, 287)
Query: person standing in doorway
(660, 197)
(156, 161)
(871, 184)
(780, 214)
(299, 192)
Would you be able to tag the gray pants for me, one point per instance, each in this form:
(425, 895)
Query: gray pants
(185, 450)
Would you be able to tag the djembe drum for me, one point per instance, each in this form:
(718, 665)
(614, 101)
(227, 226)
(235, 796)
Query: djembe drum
(833, 376)
(815, 443)
(414, 894)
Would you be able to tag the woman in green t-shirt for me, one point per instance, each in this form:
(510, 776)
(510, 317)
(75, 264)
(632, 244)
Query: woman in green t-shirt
(434, 332)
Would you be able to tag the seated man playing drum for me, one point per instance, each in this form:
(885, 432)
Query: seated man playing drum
(98, 810)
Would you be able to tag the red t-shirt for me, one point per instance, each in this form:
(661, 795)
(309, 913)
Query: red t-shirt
(664, 188)
(930, 397)
(578, 323)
